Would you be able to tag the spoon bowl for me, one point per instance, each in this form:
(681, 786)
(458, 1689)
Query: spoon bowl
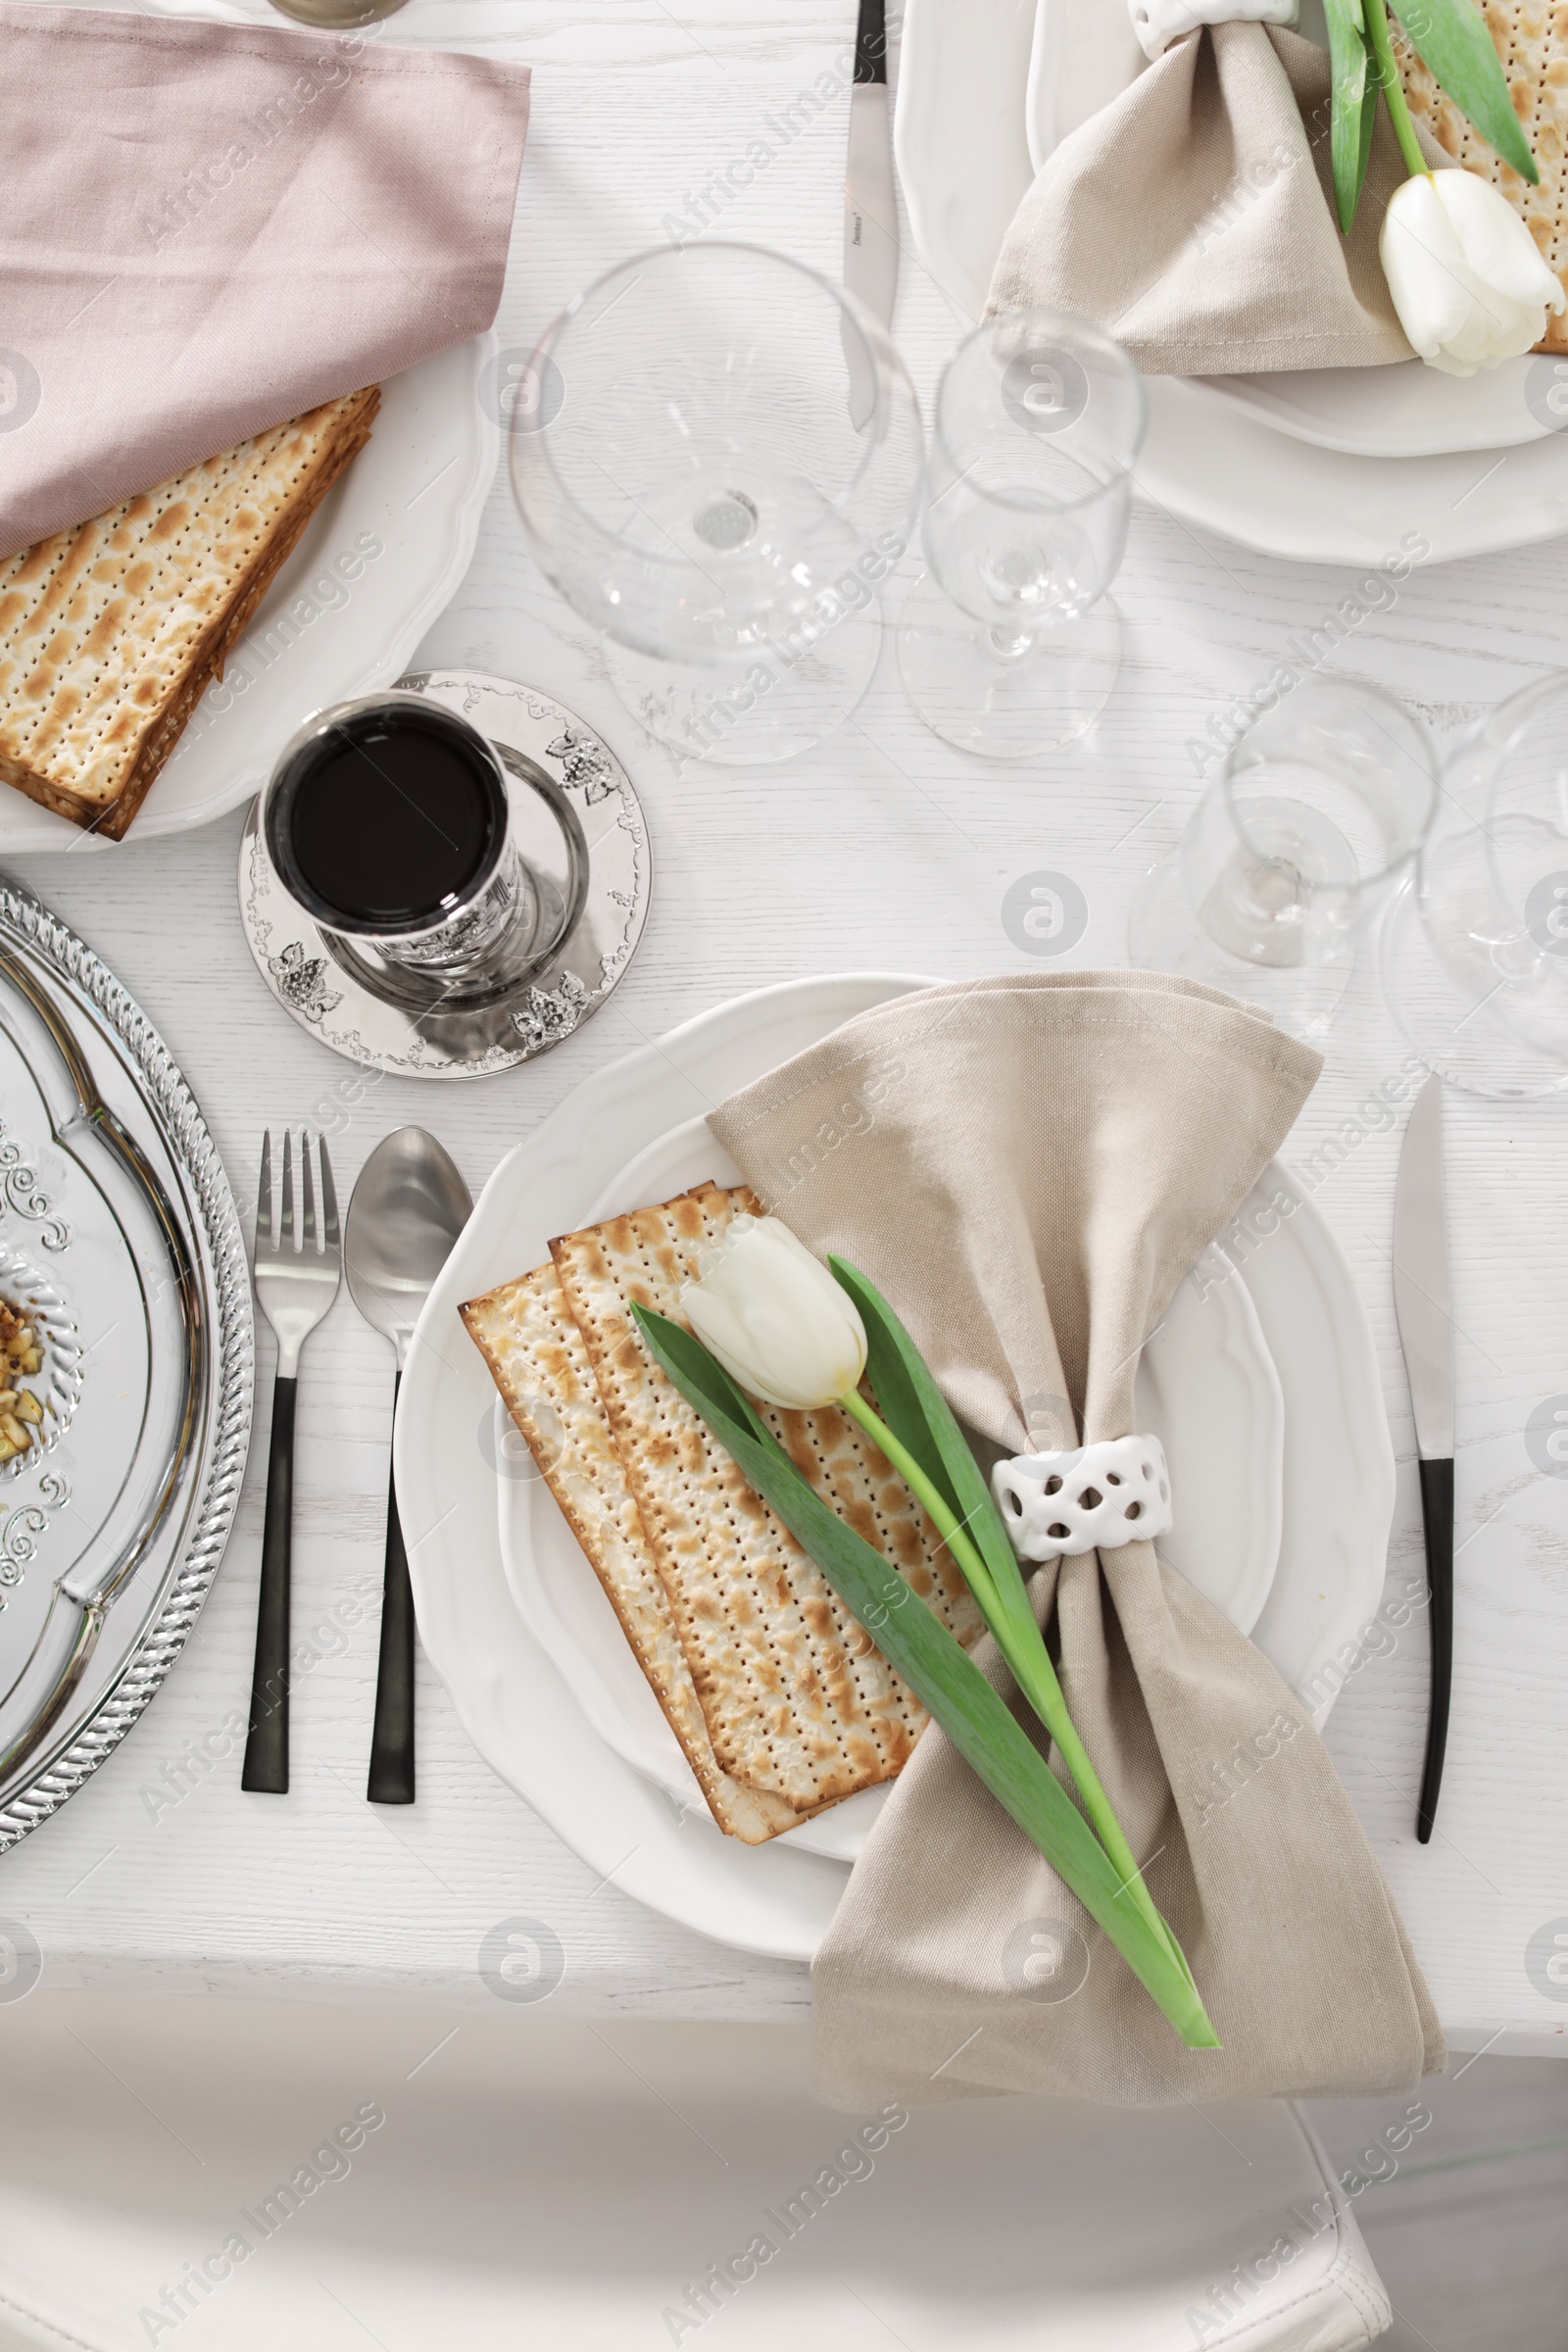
(409, 1206)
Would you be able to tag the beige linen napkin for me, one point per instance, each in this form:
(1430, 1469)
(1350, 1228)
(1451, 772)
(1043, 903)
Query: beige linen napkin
(1193, 217)
(1026, 1168)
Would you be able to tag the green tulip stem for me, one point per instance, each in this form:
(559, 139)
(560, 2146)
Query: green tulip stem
(1018, 1636)
(1377, 23)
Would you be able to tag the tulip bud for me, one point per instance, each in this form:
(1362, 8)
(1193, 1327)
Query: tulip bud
(1467, 280)
(775, 1316)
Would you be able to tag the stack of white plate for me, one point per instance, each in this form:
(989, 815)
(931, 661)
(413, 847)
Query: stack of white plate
(1261, 1382)
(1332, 465)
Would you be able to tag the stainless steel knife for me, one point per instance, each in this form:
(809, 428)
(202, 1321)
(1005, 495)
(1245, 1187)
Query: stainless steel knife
(1423, 1301)
(870, 209)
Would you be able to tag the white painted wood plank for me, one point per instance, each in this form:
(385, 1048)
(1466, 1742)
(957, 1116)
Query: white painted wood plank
(883, 849)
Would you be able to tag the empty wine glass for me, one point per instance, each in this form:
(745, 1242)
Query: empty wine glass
(694, 486)
(1011, 646)
(1320, 808)
(1475, 954)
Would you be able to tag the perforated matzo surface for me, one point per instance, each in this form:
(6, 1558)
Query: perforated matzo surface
(541, 1367)
(796, 1695)
(109, 632)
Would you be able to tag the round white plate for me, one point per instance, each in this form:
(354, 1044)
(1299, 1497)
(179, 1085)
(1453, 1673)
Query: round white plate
(958, 136)
(1207, 1387)
(1238, 464)
(1085, 52)
(1224, 472)
(522, 1714)
(1409, 411)
(1334, 1545)
(380, 559)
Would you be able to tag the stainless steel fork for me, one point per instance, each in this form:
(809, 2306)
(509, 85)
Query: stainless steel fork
(295, 1283)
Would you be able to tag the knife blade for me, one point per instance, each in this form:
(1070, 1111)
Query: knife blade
(870, 207)
(1423, 1301)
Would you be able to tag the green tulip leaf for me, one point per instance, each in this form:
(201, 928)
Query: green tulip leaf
(919, 1417)
(917, 1412)
(1356, 102)
(938, 1670)
(1451, 39)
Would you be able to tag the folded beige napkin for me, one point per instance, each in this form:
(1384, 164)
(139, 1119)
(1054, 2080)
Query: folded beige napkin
(1026, 1168)
(1193, 217)
(207, 229)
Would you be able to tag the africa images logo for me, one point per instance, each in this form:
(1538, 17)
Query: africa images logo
(19, 390)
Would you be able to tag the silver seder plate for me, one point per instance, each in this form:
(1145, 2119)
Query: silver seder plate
(580, 828)
(119, 1246)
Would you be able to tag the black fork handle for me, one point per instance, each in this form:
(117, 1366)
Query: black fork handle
(391, 1781)
(267, 1746)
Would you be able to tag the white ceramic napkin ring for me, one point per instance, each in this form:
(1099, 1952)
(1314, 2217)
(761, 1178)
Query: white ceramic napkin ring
(1092, 1498)
(1158, 22)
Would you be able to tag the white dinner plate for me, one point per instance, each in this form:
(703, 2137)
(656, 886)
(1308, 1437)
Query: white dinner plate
(1207, 1387)
(377, 564)
(1408, 410)
(958, 136)
(1085, 52)
(1219, 455)
(1219, 470)
(523, 1716)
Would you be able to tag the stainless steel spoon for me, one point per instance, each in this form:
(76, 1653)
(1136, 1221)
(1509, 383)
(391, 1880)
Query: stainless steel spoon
(409, 1206)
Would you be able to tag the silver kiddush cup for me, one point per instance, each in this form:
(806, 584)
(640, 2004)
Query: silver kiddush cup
(387, 819)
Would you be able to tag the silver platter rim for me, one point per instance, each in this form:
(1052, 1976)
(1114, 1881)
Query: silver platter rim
(84, 986)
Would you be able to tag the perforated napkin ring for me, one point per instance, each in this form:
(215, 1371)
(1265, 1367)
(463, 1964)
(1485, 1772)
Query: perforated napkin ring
(1092, 1498)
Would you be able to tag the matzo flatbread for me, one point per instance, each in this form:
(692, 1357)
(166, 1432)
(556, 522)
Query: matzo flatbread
(109, 633)
(1530, 37)
(796, 1695)
(541, 1367)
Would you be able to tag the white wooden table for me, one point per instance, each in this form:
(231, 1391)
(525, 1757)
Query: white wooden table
(883, 849)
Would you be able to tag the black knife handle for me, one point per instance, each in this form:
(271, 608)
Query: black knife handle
(871, 42)
(267, 1746)
(391, 1781)
(1436, 1512)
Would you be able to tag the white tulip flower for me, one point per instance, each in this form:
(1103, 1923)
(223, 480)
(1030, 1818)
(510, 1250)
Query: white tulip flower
(775, 1318)
(1466, 275)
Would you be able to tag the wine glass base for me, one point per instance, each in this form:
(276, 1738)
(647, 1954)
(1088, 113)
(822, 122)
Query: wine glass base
(792, 695)
(1452, 1022)
(1163, 934)
(999, 703)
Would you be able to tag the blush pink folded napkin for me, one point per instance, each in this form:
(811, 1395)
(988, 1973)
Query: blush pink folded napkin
(208, 229)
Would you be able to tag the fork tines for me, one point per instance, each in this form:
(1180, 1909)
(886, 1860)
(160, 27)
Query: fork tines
(271, 1245)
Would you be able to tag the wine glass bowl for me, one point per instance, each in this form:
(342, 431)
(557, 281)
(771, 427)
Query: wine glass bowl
(1322, 802)
(1475, 960)
(1039, 417)
(1321, 806)
(694, 487)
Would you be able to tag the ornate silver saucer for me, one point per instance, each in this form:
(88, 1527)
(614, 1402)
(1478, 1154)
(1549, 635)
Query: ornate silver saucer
(580, 830)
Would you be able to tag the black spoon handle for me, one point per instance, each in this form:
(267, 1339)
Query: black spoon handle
(391, 1781)
(1436, 1512)
(267, 1746)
